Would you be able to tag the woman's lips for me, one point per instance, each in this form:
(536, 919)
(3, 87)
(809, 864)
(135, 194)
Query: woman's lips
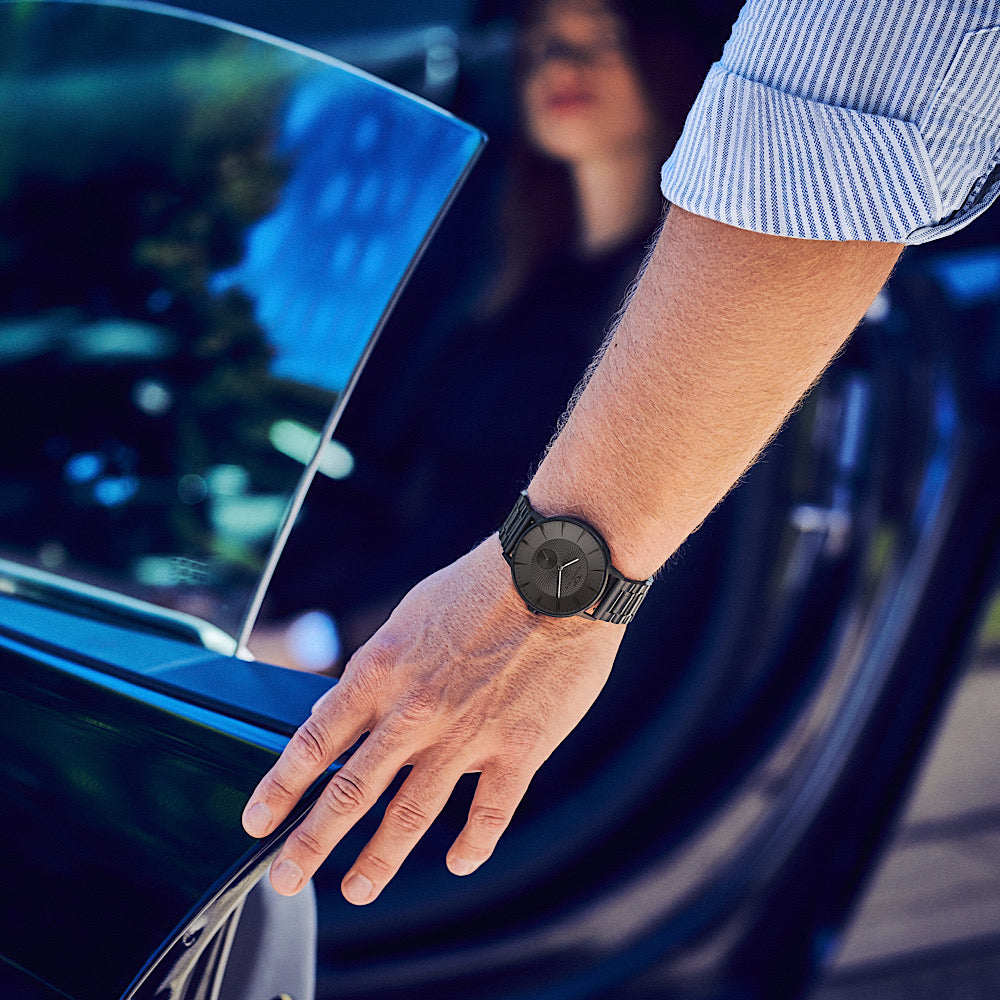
(569, 100)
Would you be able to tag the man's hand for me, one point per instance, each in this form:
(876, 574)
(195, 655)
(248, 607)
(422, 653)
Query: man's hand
(462, 678)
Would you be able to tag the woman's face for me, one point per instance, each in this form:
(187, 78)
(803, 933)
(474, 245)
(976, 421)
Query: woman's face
(581, 95)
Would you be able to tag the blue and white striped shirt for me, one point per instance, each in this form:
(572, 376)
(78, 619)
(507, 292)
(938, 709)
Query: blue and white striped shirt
(847, 120)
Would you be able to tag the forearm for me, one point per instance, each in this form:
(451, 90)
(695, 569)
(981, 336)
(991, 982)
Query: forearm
(725, 332)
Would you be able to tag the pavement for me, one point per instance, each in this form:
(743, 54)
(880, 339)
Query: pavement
(928, 923)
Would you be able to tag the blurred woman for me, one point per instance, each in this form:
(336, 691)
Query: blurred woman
(602, 90)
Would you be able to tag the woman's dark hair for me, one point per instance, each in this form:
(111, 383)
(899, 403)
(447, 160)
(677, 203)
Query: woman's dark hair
(537, 206)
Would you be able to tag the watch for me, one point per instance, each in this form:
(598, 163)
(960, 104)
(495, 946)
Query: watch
(561, 566)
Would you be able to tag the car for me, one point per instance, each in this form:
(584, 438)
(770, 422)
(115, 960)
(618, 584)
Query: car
(704, 833)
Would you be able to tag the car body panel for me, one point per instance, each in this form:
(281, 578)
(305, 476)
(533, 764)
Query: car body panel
(101, 782)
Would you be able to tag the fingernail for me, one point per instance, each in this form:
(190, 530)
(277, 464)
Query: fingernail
(257, 820)
(286, 877)
(462, 866)
(358, 889)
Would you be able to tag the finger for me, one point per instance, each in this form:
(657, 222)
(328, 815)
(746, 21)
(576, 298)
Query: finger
(497, 796)
(407, 817)
(336, 723)
(349, 794)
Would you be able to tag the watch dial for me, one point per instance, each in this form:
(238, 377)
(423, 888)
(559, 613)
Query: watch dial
(560, 567)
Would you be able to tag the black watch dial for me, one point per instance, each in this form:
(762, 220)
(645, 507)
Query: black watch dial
(560, 567)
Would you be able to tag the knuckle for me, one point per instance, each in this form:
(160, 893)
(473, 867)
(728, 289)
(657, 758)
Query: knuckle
(489, 819)
(310, 744)
(414, 711)
(461, 734)
(369, 672)
(406, 816)
(278, 788)
(419, 705)
(345, 793)
(524, 738)
(375, 865)
(305, 841)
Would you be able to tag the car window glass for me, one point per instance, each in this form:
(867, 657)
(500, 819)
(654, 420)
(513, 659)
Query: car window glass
(201, 230)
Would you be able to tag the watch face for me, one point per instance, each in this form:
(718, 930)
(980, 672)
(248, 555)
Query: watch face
(559, 567)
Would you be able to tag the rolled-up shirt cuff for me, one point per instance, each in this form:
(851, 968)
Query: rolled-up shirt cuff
(761, 159)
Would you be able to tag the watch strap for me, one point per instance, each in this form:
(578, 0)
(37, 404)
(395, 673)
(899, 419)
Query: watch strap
(621, 597)
(521, 517)
(620, 600)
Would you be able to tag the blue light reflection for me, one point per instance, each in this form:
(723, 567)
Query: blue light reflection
(369, 173)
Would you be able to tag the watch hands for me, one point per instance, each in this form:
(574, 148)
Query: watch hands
(559, 579)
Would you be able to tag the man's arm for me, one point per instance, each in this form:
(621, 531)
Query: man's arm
(724, 333)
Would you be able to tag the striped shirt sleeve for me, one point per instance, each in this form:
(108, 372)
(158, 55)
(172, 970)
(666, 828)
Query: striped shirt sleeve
(839, 120)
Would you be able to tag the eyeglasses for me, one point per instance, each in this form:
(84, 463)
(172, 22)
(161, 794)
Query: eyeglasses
(537, 51)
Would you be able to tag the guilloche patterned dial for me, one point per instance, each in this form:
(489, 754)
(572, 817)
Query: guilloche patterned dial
(560, 567)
